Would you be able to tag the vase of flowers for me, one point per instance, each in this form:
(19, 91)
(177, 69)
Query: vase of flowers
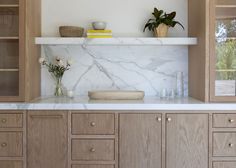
(57, 70)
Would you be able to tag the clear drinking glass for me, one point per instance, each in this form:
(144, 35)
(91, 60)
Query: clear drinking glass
(179, 84)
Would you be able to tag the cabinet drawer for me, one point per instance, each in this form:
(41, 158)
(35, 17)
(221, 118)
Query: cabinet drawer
(224, 144)
(11, 164)
(93, 166)
(224, 164)
(92, 124)
(11, 120)
(11, 144)
(224, 120)
(93, 150)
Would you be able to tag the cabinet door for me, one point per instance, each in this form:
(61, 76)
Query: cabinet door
(140, 141)
(223, 50)
(47, 139)
(187, 141)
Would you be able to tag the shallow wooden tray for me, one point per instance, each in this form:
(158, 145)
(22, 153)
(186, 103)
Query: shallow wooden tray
(116, 95)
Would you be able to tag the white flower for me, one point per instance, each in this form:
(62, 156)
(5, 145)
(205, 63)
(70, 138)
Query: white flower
(69, 62)
(42, 60)
(59, 62)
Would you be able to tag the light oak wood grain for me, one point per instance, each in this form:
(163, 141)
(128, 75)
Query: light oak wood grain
(11, 164)
(47, 139)
(224, 144)
(224, 120)
(90, 124)
(11, 144)
(92, 149)
(224, 164)
(198, 26)
(187, 141)
(92, 166)
(139, 141)
(11, 120)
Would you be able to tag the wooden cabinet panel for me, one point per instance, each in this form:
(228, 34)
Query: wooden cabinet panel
(91, 149)
(140, 141)
(187, 141)
(11, 164)
(11, 144)
(11, 120)
(100, 124)
(47, 139)
(92, 166)
(224, 144)
(224, 164)
(224, 120)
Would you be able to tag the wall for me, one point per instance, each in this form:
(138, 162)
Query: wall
(124, 17)
(148, 68)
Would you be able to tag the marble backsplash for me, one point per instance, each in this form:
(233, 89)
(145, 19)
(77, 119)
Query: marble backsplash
(147, 68)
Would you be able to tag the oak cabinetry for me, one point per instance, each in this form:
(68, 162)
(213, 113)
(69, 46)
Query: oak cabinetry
(224, 120)
(19, 69)
(12, 139)
(226, 164)
(140, 141)
(187, 141)
(47, 139)
(93, 140)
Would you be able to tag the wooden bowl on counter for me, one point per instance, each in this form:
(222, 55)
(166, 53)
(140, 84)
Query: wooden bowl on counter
(71, 31)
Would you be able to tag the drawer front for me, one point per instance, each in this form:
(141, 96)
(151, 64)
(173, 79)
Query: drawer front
(93, 150)
(224, 164)
(11, 144)
(11, 120)
(224, 144)
(93, 166)
(224, 120)
(93, 124)
(11, 164)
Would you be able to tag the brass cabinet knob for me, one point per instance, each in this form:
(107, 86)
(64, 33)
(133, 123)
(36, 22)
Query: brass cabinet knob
(231, 145)
(169, 119)
(92, 124)
(158, 119)
(4, 144)
(231, 120)
(92, 150)
(3, 120)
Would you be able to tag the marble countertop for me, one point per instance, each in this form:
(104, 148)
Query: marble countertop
(149, 103)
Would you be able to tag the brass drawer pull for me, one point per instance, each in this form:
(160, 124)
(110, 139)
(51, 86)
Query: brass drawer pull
(92, 150)
(92, 124)
(3, 120)
(231, 145)
(169, 119)
(47, 116)
(231, 120)
(4, 144)
(158, 119)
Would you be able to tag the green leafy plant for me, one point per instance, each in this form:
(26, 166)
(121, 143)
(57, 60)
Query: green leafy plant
(161, 17)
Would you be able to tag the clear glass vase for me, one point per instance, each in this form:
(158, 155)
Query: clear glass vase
(59, 88)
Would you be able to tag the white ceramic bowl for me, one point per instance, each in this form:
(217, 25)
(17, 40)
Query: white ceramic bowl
(99, 25)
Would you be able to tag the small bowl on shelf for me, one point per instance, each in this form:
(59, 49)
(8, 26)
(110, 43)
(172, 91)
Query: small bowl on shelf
(99, 25)
(71, 31)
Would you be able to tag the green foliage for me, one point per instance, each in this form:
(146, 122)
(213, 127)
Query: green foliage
(226, 60)
(161, 17)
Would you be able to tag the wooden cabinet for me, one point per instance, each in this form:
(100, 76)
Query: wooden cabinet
(11, 164)
(187, 141)
(140, 141)
(19, 68)
(224, 164)
(47, 139)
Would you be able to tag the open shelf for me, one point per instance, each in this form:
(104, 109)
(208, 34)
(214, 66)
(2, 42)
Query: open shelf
(116, 41)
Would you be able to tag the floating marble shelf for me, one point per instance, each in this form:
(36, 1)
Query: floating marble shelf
(116, 41)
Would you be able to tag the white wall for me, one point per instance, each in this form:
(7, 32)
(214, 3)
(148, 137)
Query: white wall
(125, 17)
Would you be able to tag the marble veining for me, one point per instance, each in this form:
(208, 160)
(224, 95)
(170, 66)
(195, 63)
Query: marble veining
(147, 68)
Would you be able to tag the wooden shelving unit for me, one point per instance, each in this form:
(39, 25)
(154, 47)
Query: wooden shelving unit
(19, 72)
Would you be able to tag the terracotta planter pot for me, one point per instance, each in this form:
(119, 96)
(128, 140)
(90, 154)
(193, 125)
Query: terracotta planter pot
(161, 30)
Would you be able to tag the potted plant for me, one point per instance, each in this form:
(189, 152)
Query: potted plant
(161, 23)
